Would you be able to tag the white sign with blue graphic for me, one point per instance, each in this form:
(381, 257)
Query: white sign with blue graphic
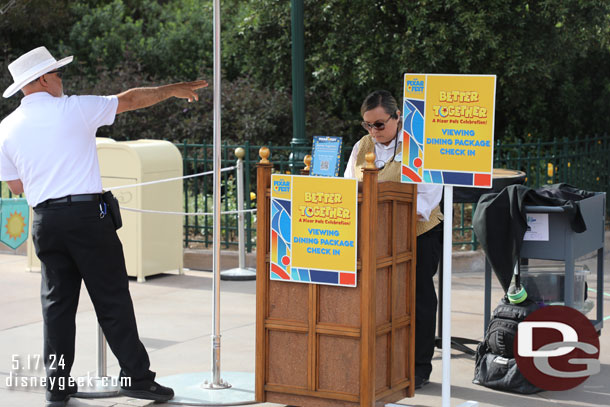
(537, 227)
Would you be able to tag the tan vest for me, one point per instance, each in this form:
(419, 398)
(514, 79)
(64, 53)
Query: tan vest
(391, 172)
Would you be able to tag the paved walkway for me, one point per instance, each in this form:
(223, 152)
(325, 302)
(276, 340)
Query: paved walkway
(175, 322)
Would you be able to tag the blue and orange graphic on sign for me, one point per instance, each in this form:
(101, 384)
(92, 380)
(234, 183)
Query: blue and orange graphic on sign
(15, 218)
(448, 129)
(314, 230)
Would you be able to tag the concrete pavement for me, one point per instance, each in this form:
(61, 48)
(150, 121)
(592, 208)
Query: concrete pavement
(174, 315)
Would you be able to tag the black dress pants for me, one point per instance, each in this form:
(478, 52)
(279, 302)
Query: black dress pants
(429, 247)
(74, 244)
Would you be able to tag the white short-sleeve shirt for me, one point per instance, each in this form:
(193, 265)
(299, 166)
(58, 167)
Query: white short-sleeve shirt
(49, 144)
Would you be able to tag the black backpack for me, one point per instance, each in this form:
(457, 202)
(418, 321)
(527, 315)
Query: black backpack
(495, 365)
(502, 328)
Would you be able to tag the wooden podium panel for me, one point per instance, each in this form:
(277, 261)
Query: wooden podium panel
(319, 345)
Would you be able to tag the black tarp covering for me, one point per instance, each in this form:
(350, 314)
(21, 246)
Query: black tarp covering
(500, 221)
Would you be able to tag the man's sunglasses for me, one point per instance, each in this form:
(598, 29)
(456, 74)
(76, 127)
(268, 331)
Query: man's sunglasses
(57, 71)
(378, 125)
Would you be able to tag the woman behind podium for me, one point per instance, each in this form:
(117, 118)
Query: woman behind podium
(382, 119)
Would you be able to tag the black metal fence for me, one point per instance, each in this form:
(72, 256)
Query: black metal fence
(584, 163)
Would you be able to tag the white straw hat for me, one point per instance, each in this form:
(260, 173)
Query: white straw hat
(30, 66)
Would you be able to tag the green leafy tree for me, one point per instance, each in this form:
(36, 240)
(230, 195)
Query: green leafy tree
(550, 56)
(159, 39)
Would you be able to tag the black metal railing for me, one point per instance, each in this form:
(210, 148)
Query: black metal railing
(584, 163)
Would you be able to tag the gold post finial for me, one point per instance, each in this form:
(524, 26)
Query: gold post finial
(264, 154)
(240, 153)
(307, 161)
(370, 161)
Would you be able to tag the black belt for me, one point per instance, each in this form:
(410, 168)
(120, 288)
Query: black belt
(69, 199)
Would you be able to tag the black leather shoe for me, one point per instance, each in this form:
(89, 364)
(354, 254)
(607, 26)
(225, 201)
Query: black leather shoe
(420, 382)
(148, 390)
(59, 398)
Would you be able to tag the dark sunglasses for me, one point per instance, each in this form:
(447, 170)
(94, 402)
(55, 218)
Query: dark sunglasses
(57, 71)
(378, 125)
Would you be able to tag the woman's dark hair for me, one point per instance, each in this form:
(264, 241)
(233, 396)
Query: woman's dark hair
(381, 98)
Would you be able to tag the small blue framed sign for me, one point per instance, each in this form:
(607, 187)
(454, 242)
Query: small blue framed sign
(326, 156)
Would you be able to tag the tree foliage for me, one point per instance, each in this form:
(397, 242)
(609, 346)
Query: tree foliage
(172, 40)
(550, 58)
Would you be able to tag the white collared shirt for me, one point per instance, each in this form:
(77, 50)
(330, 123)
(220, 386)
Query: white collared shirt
(428, 196)
(49, 144)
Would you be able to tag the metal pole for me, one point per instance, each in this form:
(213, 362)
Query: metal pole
(298, 84)
(100, 386)
(188, 388)
(101, 353)
(298, 71)
(216, 380)
(447, 247)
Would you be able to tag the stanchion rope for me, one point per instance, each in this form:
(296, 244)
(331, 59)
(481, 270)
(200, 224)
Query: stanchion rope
(187, 213)
(176, 179)
(168, 179)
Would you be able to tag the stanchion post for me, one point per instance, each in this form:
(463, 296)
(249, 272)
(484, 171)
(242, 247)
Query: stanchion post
(100, 386)
(239, 153)
(101, 353)
(242, 272)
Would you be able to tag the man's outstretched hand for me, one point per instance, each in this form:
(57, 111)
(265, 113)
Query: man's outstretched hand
(186, 90)
(139, 98)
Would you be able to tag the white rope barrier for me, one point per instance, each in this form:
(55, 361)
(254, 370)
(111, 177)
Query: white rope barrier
(169, 179)
(176, 179)
(186, 213)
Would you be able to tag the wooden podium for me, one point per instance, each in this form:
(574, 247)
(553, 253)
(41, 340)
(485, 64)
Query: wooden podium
(319, 345)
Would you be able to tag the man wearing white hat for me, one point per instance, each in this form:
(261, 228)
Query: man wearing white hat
(48, 151)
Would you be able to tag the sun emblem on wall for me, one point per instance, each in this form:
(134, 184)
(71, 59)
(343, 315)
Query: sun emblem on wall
(15, 225)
